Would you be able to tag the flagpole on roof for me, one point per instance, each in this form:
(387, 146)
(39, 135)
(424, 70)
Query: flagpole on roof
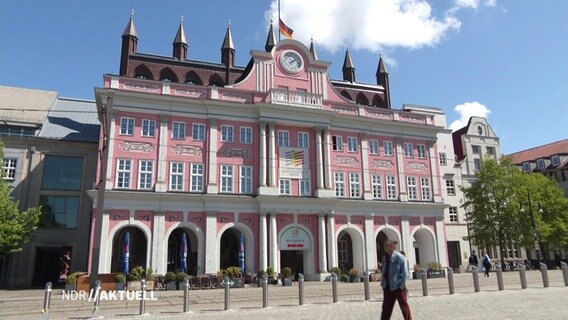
(279, 33)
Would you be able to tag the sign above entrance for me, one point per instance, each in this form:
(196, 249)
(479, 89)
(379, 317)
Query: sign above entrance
(295, 239)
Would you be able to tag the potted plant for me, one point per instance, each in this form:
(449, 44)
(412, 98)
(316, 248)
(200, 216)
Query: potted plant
(354, 275)
(344, 277)
(259, 276)
(337, 271)
(435, 270)
(416, 273)
(119, 281)
(286, 276)
(71, 282)
(136, 275)
(270, 274)
(170, 279)
(376, 275)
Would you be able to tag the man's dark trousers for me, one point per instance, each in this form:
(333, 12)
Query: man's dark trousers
(389, 298)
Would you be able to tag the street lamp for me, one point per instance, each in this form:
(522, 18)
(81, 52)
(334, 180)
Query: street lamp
(534, 230)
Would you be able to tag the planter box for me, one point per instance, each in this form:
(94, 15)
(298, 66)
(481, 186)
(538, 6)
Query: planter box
(172, 285)
(119, 286)
(355, 279)
(287, 282)
(436, 274)
(234, 283)
(137, 286)
(70, 287)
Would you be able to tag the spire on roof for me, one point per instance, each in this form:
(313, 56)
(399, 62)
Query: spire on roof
(381, 69)
(270, 39)
(348, 67)
(180, 43)
(180, 35)
(228, 51)
(313, 49)
(228, 41)
(130, 30)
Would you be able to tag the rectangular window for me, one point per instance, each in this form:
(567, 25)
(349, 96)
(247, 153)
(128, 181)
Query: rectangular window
(246, 179)
(303, 140)
(197, 177)
(340, 184)
(490, 151)
(148, 128)
(421, 149)
(475, 149)
(377, 186)
(555, 160)
(411, 185)
(354, 185)
(62, 173)
(352, 144)
(387, 146)
(305, 190)
(285, 186)
(198, 131)
(527, 166)
(226, 179)
(476, 164)
(283, 138)
(342, 252)
(540, 164)
(443, 160)
(145, 175)
(176, 176)
(450, 188)
(9, 168)
(123, 173)
(373, 146)
(425, 186)
(391, 188)
(408, 150)
(453, 214)
(337, 143)
(226, 133)
(246, 135)
(58, 211)
(127, 126)
(178, 130)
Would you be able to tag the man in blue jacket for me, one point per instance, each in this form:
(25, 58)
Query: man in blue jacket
(394, 273)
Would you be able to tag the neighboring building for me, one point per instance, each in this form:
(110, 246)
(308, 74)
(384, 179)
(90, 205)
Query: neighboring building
(273, 163)
(50, 158)
(552, 161)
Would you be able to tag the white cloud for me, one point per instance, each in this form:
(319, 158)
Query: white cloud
(467, 110)
(474, 4)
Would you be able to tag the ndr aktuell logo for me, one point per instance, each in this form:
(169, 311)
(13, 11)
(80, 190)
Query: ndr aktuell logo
(116, 295)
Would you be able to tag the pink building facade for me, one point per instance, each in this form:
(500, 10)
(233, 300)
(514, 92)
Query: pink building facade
(278, 162)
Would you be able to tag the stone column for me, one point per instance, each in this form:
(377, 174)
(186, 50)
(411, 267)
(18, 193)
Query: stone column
(399, 154)
(110, 158)
(262, 243)
(105, 257)
(367, 194)
(262, 166)
(370, 243)
(272, 154)
(322, 244)
(162, 165)
(441, 241)
(407, 242)
(211, 263)
(319, 159)
(327, 157)
(435, 175)
(159, 252)
(212, 186)
(331, 242)
(274, 244)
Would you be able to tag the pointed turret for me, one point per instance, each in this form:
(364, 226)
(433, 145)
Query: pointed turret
(129, 44)
(313, 49)
(271, 39)
(383, 79)
(180, 43)
(348, 67)
(228, 49)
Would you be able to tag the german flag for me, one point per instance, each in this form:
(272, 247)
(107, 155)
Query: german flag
(284, 29)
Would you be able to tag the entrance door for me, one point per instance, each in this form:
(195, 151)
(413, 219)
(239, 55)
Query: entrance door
(47, 265)
(454, 254)
(293, 259)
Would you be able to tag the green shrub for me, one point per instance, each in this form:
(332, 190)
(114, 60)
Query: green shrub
(180, 277)
(260, 274)
(170, 277)
(72, 278)
(270, 271)
(287, 272)
(354, 272)
(135, 274)
(432, 266)
(119, 278)
(337, 271)
(149, 274)
(233, 272)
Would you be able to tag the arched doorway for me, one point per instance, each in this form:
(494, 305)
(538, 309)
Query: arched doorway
(344, 251)
(232, 249)
(174, 251)
(380, 242)
(138, 249)
(424, 247)
(295, 249)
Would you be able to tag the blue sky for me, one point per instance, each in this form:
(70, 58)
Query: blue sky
(505, 59)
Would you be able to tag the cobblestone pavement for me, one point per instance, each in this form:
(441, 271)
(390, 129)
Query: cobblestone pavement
(535, 302)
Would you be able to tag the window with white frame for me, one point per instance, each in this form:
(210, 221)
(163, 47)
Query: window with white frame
(442, 158)
(283, 138)
(339, 184)
(555, 160)
(391, 187)
(354, 185)
(305, 189)
(408, 150)
(197, 177)
(425, 186)
(453, 214)
(246, 135)
(226, 178)
(285, 186)
(377, 186)
(123, 172)
(476, 164)
(421, 150)
(352, 144)
(226, 133)
(540, 164)
(127, 126)
(526, 166)
(374, 146)
(246, 179)
(411, 188)
(178, 130)
(450, 188)
(145, 175)
(198, 132)
(337, 142)
(176, 176)
(475, 149)
(303, 140)
(387, 148)
(9, 168)
(148, 128)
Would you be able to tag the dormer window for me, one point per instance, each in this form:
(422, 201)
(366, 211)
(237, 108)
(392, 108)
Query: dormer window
(526, 166)
(540, 164)
(480, 130)
(555, 160)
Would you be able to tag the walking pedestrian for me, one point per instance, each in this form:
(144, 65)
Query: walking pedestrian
(395, 273)
(473, 261)
(486, 261)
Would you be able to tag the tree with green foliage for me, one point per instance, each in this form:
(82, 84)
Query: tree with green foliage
(15, 226)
